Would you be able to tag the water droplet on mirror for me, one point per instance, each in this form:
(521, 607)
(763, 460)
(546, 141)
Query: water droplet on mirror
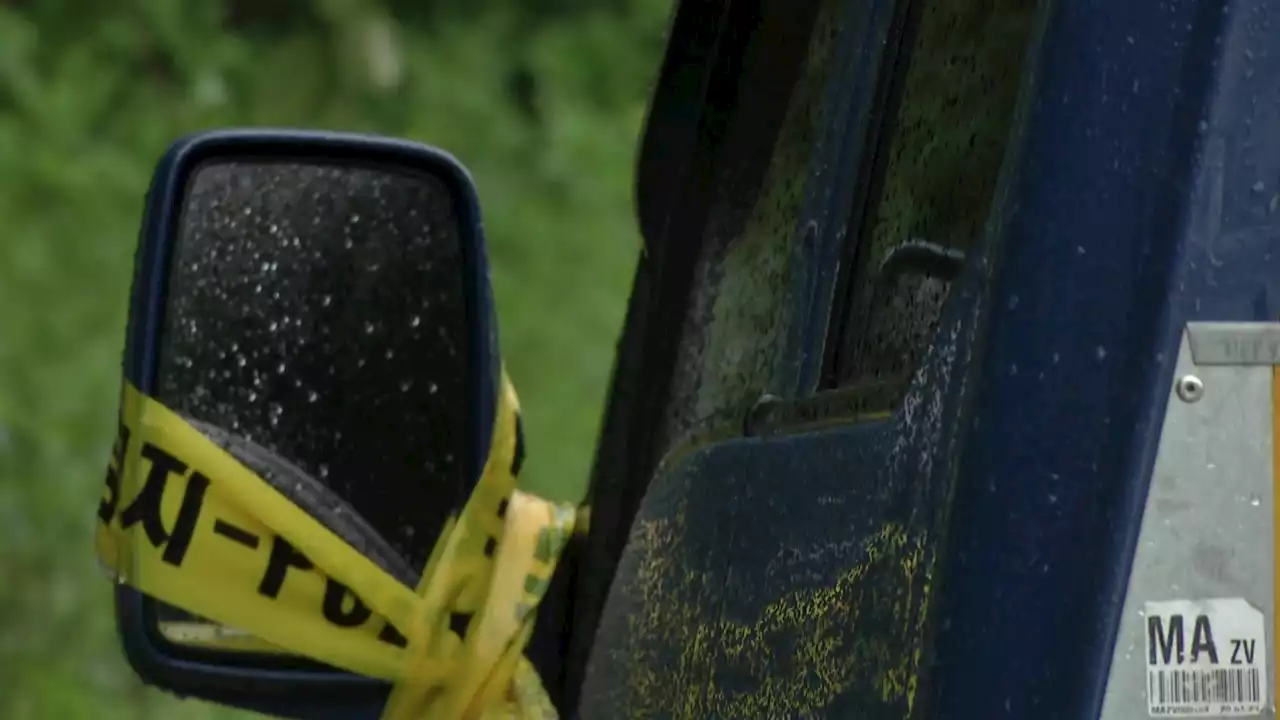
(253, 396)
(433, 388)
(324, 471)
(390, 354)
(405, 385)
(312, 396)
(274, 326)
(325, 301)
(241, 361)
(415, 321)
(368, 328)
(280, 368)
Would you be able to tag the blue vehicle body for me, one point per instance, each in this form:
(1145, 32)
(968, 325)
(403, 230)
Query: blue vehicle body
(962, 549)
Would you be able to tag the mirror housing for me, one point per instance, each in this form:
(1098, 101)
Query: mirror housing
(287, 685)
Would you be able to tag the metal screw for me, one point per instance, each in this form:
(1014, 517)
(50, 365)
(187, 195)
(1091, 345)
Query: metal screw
(1190, 388)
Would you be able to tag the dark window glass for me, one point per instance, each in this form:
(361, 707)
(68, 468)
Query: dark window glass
(939, 155)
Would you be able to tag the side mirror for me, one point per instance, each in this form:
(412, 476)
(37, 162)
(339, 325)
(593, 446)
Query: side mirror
(311, 310)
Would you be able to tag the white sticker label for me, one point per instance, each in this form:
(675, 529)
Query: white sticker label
(1205, 658)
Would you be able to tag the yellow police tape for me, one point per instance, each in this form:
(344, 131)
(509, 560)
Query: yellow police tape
(184, 522)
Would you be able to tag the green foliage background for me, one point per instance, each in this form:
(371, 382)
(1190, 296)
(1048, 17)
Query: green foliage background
(542, 99)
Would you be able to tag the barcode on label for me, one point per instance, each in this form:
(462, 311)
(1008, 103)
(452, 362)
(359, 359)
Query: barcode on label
(1230, 686)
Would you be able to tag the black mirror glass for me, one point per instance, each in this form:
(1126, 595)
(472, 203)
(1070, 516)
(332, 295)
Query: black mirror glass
(315, 327)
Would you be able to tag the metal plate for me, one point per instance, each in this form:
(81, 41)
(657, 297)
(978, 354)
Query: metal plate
(1208, 530)
(1234, 343)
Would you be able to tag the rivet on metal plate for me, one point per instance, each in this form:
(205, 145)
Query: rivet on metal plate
(1190, 388)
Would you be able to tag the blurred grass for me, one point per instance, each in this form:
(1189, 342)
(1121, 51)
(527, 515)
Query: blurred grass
(90, 95)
